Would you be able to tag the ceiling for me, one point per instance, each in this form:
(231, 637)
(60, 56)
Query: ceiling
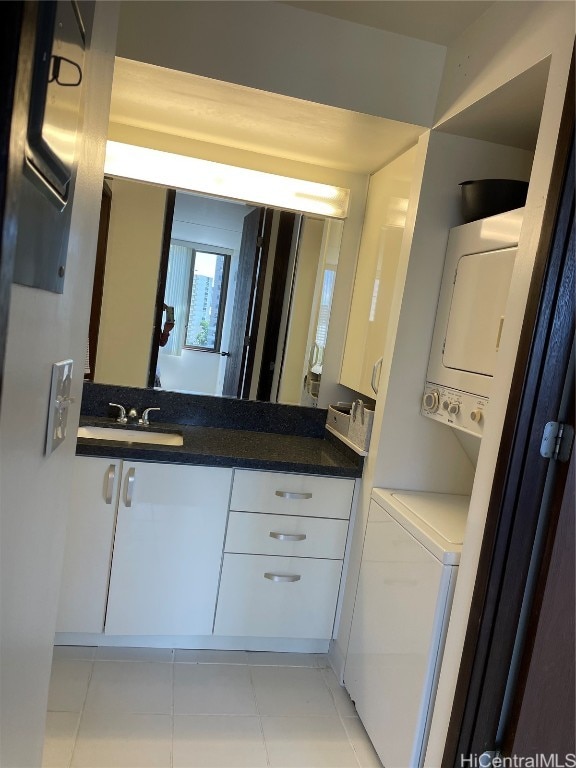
(437, 21)
(182, 104)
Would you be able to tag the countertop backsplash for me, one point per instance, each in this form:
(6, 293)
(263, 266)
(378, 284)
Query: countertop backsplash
(205, 411)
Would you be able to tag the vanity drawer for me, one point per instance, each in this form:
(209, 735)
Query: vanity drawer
(258, 534)
(290, 494)
(264, 596)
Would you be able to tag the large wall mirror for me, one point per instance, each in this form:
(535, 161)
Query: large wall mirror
(209, 296)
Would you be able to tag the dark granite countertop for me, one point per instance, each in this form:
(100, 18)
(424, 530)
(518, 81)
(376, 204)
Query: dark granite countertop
(218, 447)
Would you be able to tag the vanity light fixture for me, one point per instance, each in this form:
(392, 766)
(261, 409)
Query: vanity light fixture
(204, 176)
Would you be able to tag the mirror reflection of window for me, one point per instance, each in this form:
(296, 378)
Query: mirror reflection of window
(206, 305)
(328, 283)
(196, 286)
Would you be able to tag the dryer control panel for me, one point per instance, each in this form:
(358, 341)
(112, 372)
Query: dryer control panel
(455, 408)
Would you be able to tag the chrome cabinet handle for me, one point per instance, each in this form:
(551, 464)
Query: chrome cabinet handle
(129, 487)
(287, 536)
(377, 367)
(110, 477)
(293, 495)
(280, 577)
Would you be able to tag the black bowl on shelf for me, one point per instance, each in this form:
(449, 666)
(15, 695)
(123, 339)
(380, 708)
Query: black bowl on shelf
(488, 197)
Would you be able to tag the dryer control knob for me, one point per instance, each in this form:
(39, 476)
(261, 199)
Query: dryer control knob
(476, 415)
(431, 400)
(445, 405)
(454, 409)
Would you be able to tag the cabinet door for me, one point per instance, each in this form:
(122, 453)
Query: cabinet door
(89, 536)
(374, 283)
(262, 596)
(167, 550)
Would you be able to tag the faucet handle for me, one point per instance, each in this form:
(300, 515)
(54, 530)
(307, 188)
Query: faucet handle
(145, 420)
(122, 417)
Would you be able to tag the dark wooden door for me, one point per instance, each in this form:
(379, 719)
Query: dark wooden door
(544, 710)
(280, 278)
(17, 33)
(161, 287)
(99, 275)
(249, 268)
(501, 660)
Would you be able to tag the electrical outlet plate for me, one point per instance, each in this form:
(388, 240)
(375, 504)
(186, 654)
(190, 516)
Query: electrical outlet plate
(59, 404)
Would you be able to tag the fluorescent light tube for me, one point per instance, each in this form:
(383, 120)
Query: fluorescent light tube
(204, 176)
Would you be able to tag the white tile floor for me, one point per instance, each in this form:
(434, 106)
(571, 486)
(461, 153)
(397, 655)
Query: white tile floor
(157, 708)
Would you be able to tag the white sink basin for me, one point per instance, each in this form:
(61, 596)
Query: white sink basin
(130, 435)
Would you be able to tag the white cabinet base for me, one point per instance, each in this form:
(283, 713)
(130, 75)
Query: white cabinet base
(195, 642)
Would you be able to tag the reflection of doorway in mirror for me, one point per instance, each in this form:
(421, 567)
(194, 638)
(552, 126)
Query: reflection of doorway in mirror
(200, 284)
(193, 361)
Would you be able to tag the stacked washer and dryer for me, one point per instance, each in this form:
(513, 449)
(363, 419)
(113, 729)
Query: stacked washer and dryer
(414, 539)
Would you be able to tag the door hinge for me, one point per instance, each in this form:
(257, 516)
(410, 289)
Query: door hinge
(259, 241)
(557, 441)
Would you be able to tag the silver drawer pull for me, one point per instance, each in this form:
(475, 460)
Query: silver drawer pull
(287, 536)
(282, 577)
(293, 495)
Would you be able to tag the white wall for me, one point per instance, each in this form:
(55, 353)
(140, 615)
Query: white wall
(278, 48)
(130, 283)
(44, 328)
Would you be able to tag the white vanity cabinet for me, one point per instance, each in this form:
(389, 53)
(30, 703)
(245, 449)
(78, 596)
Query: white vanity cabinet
(167, 549)
(283, 555)
(213, 555)
(89, 537)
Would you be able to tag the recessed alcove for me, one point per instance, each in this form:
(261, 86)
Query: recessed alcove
(509, 115)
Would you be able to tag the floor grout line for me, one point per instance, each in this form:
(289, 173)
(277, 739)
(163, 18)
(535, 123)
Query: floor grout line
(341, 717)
(81, 714)
(260, 723)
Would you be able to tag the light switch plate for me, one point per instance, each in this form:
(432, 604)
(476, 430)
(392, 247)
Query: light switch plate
(59, 403)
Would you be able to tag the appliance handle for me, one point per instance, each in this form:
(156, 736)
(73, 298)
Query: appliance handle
(375, 380)
(500, 327)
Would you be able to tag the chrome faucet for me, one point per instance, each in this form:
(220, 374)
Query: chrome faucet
(122, 418)
(132, 416)
(144, 421)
